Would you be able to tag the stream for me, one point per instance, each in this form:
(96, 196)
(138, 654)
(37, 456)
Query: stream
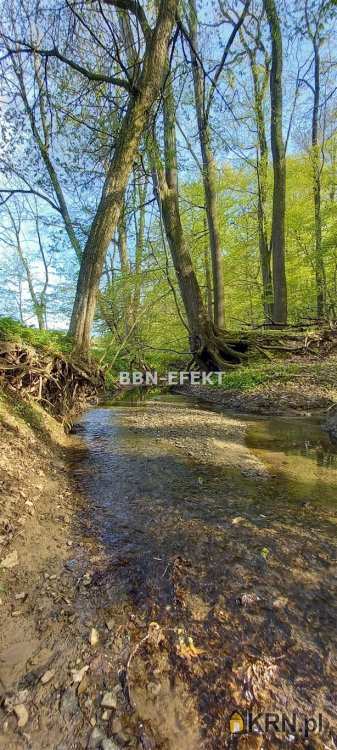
(221, 529)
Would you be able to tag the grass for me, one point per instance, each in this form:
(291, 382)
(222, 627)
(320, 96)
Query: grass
(245, 377)
(53, 341)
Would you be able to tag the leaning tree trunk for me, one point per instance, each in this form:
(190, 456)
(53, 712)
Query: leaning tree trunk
(207, 343)
(209, 177)
(139, 250)
(279, 168)
(262, 174)
(316, 175)
(108, 212)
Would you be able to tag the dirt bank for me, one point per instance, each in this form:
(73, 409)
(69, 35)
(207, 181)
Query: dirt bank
(310, 388)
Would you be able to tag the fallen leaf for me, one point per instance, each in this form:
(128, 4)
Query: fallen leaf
(21, 714)
(78, 674)
(10, 561)
(94, 637)
(47, 676)
(186, 647)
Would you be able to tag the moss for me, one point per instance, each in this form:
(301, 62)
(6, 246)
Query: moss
(24, 410)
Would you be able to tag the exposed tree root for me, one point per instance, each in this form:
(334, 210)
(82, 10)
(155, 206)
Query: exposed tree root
(221, 350)
(60, 384)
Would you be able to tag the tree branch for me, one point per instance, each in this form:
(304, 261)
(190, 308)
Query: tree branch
(219, 70)
(90, 74)
(134, 7)
(30, 191)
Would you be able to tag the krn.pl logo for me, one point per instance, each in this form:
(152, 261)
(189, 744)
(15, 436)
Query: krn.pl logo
(236, 723)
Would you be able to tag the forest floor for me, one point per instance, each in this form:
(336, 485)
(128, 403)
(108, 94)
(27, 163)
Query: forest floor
(296, 385)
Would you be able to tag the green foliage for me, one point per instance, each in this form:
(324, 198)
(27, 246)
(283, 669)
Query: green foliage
(245, 378)
(55, 341)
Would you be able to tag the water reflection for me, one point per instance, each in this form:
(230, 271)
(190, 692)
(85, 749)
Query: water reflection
(184, 539)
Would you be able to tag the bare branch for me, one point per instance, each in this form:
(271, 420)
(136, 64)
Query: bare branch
(134, 7)
(31, 191)
(226, 51)
(54, 52)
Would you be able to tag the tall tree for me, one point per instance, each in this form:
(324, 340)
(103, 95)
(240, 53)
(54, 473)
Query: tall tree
(105, 221)
(41, 129)
(315, 14)
(12, 237)
(206, 342)
(208, 173)
(260, 71)
(203, 101)
(279, 167)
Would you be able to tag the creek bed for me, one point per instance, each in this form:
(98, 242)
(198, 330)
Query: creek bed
(223, 531)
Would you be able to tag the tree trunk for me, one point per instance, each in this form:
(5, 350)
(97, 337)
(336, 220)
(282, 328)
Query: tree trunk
(122, 242)
(208, 278)
(316, 174)
(40, 313)
(262, 174)
(107, 215)
(139, 251)
(279, 168)
(206, 343)
(209, 176)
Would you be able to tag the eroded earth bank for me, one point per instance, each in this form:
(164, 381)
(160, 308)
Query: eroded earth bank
(161, 567)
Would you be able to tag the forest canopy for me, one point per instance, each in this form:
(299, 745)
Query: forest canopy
(168, 172)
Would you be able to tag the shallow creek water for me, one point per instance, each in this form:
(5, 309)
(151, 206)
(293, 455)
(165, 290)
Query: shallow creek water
(223, 530)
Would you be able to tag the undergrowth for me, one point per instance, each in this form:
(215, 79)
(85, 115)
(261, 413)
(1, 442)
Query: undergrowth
(247, 377)
(53, 341)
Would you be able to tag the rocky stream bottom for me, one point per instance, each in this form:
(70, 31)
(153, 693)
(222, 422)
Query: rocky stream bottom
(166, 567)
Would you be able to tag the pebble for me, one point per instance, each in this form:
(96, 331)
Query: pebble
(280, 602)
(47, 676)
(248, 599)
(109, 745)
(69, 702)
(78, 674)
(21, 714)
(109, 700)
(96, 738)
(94, 637)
